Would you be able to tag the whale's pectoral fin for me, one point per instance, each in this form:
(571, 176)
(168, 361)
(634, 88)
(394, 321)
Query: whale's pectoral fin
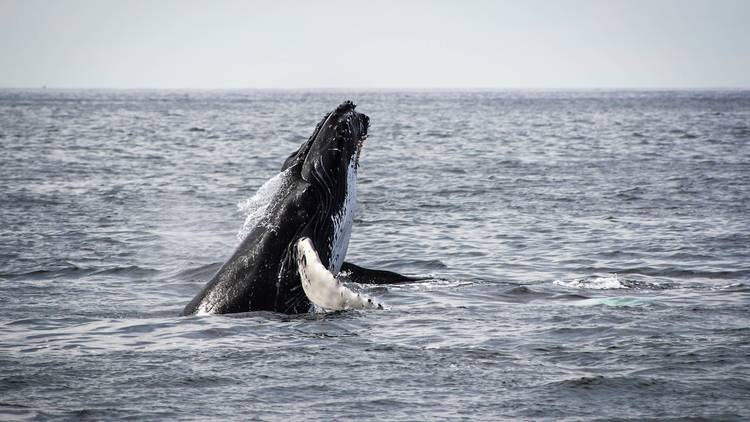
(363, 275)
(321, 287)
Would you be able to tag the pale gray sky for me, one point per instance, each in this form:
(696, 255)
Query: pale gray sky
(375, 44)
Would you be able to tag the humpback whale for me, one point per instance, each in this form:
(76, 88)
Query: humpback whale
(290, 259)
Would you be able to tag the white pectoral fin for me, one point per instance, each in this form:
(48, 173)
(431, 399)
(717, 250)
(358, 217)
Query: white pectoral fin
(321, 287)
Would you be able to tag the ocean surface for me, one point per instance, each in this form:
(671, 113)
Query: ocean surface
(587, 255)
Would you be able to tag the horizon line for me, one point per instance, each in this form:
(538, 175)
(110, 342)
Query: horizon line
(391, 89)
(394, 88)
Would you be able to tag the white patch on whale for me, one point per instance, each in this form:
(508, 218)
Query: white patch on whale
(321, 287)
(343, 221)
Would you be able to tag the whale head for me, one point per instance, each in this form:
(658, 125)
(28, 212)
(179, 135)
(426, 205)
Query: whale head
(328, 161)
(334, 147)
(338, 140)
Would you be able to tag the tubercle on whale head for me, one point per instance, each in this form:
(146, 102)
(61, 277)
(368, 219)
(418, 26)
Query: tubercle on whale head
(336, 143)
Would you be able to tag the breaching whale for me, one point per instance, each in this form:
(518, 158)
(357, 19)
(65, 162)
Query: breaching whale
(292, 257)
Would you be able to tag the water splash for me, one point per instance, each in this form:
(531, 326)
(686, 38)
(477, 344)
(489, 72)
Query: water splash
(255, 208)
(610, 281)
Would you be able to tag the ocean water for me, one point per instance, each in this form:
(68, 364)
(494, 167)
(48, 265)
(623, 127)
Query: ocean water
(587, 255)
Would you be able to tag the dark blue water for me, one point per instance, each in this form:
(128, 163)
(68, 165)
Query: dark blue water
(589, 255)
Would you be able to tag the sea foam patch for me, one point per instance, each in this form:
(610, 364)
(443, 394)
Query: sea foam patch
(610, 281)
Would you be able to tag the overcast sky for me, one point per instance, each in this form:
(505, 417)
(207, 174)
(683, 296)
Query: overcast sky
(375, 44)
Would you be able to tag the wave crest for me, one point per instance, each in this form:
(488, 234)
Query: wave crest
(610, 281)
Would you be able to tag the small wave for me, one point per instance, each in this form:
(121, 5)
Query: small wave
(436, 134)
(71, 271)
(75, 271)
(426, 264)
(630, 194)
(611, 281)
(616, 302)
(600, 381)
(673, 272)
(256, 207)
(740, 130)
(570, 296)
(429, 284)
(197, 273)
(734, 287)
(521, 294)
(130, 270)
(520, 290)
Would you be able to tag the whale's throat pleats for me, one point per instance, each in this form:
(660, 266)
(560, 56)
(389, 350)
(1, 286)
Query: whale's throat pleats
(334, 214)
(343, 221)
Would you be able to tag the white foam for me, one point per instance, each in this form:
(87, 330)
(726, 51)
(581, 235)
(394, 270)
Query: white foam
(610, 281)
(255, 209)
